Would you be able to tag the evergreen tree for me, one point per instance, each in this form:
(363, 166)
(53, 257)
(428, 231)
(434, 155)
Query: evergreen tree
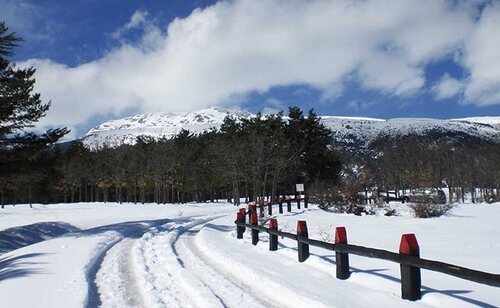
(313, 140)
(20, 108)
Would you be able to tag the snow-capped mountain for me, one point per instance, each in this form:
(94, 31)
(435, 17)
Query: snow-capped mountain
(157, 125)
(349, 132)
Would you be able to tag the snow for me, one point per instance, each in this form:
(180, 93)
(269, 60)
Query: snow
(188, 256)
(347, 130)
(494, 121)
(90, 215)
(465, 238)
(52, 273)
(157, 125)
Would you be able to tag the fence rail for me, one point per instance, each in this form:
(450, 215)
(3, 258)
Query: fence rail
(408, 256)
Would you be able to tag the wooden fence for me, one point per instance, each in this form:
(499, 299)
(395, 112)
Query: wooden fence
(408, 256)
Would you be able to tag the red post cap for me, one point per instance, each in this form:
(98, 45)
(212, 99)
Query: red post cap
(302, 228)
(253, 218)
(273, 224)
(409, 245)
(340, 235)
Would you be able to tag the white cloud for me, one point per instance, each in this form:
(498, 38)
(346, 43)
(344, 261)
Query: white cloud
(137, 20)
(360, 105)
(482, 58)
(447, 87)
(235, 47)
(28, 20)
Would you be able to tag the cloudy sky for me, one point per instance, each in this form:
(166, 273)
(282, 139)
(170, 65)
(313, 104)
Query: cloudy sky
(103, 59)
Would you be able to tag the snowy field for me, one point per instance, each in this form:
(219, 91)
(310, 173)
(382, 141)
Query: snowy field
(88, 255)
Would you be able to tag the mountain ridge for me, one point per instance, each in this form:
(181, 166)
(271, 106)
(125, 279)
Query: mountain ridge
(350, 132)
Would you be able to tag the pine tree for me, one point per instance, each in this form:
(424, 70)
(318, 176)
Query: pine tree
(314, 140)
(20, 109)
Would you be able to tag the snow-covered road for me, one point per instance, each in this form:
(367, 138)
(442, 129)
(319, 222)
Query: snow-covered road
(164, 268)
(188, 256)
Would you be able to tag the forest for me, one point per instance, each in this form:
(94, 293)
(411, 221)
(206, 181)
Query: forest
(246, 158)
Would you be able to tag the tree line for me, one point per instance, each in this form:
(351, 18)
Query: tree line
(402, 163)
(246, 158)
(464, 165)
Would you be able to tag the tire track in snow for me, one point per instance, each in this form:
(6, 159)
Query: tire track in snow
(164, 268)
(116, 278)
(130, 229)
(231, 293)
(163, 279)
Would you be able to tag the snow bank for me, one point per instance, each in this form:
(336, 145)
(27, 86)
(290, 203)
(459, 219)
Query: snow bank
(17, 237)
(52, 273)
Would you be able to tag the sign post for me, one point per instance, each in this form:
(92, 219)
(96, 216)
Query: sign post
(299, 188)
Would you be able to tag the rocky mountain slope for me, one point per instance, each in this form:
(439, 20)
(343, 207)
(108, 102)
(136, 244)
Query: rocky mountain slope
(350, 132)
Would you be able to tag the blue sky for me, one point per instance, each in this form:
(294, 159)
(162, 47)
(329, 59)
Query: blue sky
(103, 59)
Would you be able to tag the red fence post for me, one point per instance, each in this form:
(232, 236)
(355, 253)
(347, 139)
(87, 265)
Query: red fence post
(341, 259)
(240, 217)
(273, 238)
(297, 197)
(243, 211)
(410, 276)
(255, 233)
(303, 249)
(280, 204)
(251, 209)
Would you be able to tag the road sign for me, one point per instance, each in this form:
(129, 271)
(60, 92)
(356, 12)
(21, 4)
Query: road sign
(299, 187)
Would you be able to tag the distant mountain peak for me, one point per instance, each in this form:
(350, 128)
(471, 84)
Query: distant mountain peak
(126, 130)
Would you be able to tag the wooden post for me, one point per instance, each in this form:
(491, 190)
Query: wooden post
(270, 208)
(280, 204)
(297, 197)
(240, 217)
(273, 238)
(303, 249)
(288, 205)
(251, 209)
(306, 202)
(255, 233)
(410, 276)
(341, 259)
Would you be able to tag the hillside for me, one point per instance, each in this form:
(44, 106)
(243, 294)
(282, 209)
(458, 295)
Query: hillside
(349, 132)
(156, 125)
